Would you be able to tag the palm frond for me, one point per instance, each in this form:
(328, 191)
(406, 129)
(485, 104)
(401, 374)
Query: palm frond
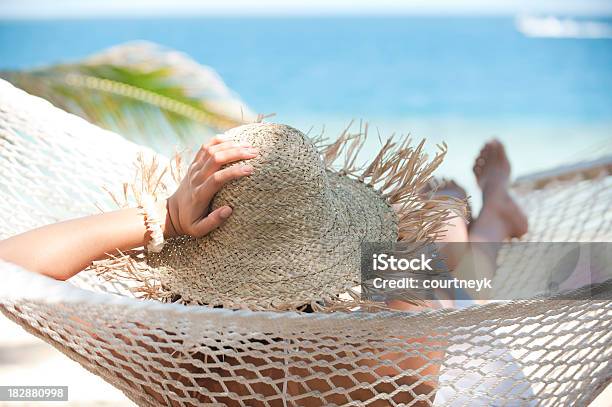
(147, 104)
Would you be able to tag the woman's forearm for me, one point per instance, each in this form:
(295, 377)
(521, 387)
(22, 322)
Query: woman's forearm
(63, 249)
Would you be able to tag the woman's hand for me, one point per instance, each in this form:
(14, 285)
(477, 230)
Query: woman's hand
(188, 208)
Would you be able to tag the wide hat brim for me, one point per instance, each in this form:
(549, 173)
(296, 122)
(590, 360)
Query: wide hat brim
(289, 245)
(278, 271)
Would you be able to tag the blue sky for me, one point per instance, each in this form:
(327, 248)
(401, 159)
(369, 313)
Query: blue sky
(91, 8)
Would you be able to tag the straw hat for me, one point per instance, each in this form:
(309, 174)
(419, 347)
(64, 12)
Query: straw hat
(295, 232)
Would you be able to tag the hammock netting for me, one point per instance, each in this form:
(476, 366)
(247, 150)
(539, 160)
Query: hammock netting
(54, 166)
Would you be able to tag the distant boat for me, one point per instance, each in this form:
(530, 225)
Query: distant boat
(553, 27)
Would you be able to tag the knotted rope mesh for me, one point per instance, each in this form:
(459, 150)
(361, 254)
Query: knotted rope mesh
(531, 352)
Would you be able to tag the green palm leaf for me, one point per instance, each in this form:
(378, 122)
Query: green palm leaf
(145, 104)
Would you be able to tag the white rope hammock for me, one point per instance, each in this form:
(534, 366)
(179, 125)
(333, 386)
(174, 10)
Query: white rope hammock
(53, 166)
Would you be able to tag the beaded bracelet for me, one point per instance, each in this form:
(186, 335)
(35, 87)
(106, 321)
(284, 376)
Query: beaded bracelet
(153, 223)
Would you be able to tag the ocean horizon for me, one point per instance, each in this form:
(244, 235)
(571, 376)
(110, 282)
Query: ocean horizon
(459, 80)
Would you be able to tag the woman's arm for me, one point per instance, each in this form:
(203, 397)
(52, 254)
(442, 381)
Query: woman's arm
(63, 249)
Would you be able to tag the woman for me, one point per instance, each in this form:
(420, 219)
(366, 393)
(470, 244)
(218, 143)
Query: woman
(65, 248)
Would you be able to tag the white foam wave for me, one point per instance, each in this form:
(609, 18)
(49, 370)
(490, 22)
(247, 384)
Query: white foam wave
(552, 27)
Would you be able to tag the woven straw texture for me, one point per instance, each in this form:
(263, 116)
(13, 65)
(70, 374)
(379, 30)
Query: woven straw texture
(294, 235)
(535, 352)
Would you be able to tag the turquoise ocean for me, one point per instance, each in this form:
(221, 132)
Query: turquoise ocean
(460, 80)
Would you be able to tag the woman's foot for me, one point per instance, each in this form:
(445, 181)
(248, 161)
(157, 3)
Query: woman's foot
(499, 211)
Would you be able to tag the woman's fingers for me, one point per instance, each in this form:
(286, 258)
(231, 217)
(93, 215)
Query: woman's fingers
(226, 146)
(206, 150)
(219, 159)
(217, 139)
(203, 151)
(214, 219)
(203, 194)
(220, 138)
(207, 190)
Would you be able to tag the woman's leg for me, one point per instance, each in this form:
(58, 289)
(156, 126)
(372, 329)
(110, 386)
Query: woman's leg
(500, 217)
